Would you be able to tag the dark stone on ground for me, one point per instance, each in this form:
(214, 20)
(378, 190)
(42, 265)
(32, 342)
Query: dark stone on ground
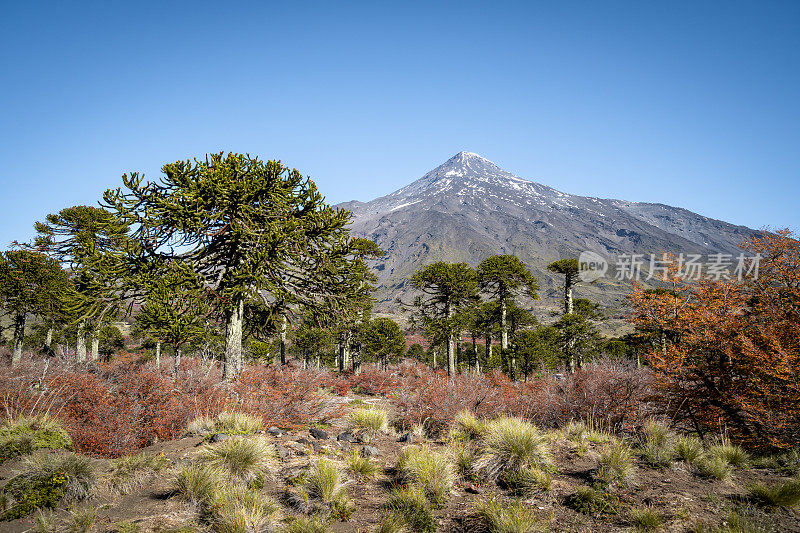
(370, 451)
(275, 432)
(346, 437)
(218, 437)
(318, 434)
(283, 452)
(406, 437)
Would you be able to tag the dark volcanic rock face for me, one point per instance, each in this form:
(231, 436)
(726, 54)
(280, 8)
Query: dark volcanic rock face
(468, 209)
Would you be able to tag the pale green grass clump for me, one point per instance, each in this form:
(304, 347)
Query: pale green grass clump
(306, 525)
(198, 482)
(494, 516)
(81, 520)
(131, 471)
(242, 458)
(528, 481)
(201, 425)
(411, 505)
(645, 519)
(239, 509)
(392, 523)
(324, 484)
(656, 444)
(733, 454)
(715, 467)
(361, 467)
(22, 435)
(786, 494)
(370, 418)
(466, 426)
(233, 423)
(615, 464)
(688, 448)
(431, 471)
(462, 457)
(510, 444)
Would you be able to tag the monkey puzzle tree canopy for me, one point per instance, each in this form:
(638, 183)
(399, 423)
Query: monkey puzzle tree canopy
(383, 338)
(568, 267)
(504, 277)
(448, 288)
(30, 284)
(244, 225)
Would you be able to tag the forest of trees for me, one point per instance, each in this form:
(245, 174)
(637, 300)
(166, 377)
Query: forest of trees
(244, 260)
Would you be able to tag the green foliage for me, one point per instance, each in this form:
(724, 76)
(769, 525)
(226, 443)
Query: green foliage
(411, 504)
(494, 516)
(538, 347)
(504, 276)
(252, 227)
(688, 448)
(46, 480)
(260, 351)
(733, 454)
(712, 466)
(416, 351)
(111, 340)
(382, 338)
(656, 444)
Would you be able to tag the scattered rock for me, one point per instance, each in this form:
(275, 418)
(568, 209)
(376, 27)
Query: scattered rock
(345, 437)
(218, 437)
(318, 434)
(370, 451)
(317, 447)
(283, 452)
(304, 441)
(406, 437)
(297, 448)
(275, 431)
(472, 489)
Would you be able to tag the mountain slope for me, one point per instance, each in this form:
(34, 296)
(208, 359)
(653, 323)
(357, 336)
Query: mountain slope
(469, 208)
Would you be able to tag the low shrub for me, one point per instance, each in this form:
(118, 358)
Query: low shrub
(235, 423)
(391, 522)
(656, 444)
(594, 501)
(198, 482)
(21, 435)
(47, 480)
(715, 467)
(733, 454)
(306, 525)
(688, 448)
(324, 484)
(467, 426)
(238, 509)
(361, 467)
(528, 481)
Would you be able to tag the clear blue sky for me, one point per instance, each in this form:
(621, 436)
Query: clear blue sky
(695, 104)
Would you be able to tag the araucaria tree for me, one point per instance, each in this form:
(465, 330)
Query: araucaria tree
(504, 278)
(30, 284)
(245, 226)
(732, 353)
(447, 288)
(91, 242)
(569, 268)
(382, 338)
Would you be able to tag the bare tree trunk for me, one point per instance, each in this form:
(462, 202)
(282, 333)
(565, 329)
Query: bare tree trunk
(48, 341)
(19, 337)
(158, 354)
(95, 345)
(568, 282)
(488, 347)
(282, 336)
(504, 351)
(476, 364)
(80, 343)
(233, 342)
(177, 359)
(356, 357)
(344, 350)
(451, 345)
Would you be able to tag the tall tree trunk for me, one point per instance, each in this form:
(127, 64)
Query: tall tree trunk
(48, 341)
(95, 345)
(488, 353)
(80, 343)
(19, 337)
(451, 344)
(476, 364)
(344, 350)
(233, 341)
(177, 359)
(158, 354)
(504, 351)
(568, 282)
(356, 358)
(282, 336)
